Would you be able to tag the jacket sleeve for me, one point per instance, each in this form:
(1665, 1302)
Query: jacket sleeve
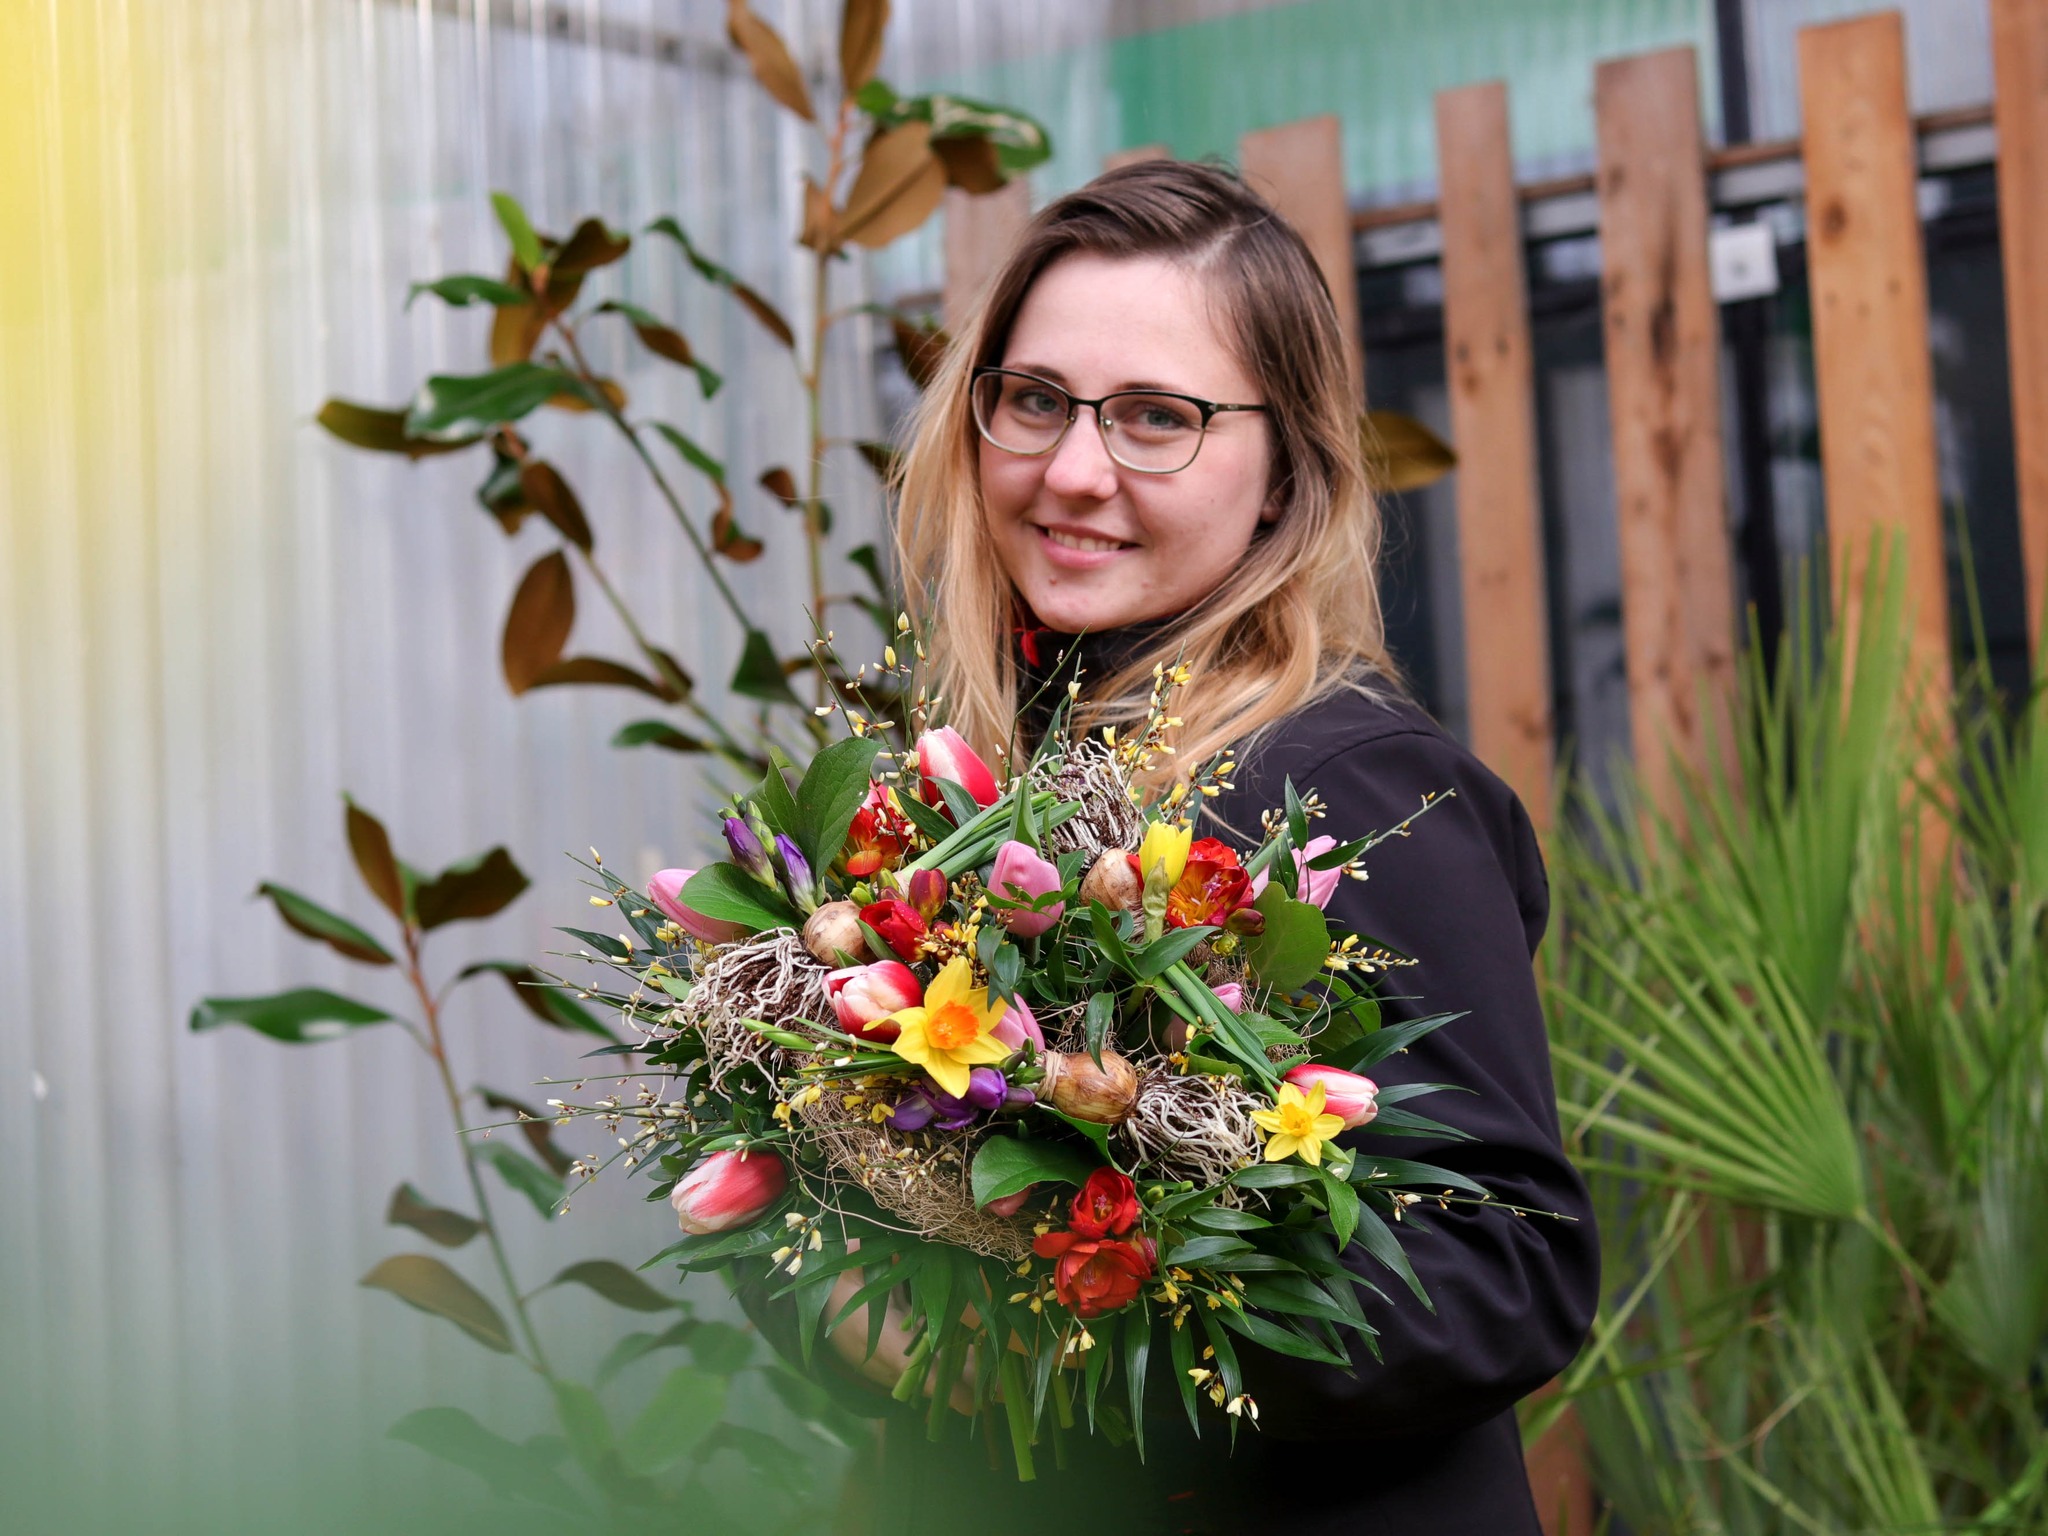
(1465, 894)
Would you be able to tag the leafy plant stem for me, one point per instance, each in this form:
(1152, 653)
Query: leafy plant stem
(814, 385)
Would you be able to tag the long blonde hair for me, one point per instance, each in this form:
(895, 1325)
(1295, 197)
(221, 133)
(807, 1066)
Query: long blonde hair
(1299, 619)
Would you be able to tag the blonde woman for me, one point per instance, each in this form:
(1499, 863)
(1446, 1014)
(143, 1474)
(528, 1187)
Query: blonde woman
(1144, 448)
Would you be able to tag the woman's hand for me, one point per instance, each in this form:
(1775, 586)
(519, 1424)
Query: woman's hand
(891, 1355)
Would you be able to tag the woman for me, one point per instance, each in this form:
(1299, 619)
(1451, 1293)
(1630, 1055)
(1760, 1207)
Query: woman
(1147, 437)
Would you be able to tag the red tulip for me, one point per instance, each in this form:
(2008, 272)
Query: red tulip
(1107, 1205)
(943, 753)
(665, 891)
(1353, 1098)
(727, 1190)
(1094, 1276)
(897, 921)
(864, 997)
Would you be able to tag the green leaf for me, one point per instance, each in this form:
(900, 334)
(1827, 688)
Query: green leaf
(409, 1208)
(1092, 1130)
(692, 454)
(731, 895)
(778, 807)
(468, 288)
(1343, 1203)
(452, 406)
(1214, 1248)
(431, 1286)
(1100, 1013)
(1290, 953)
(721, 1349)
(539, 1186)
(759, 674)
(302, 1016)
(1003, 1165)
(518, 229)
(1152, 959)
(583, 1421)
(657, 733)
(476, 887)
(831, 793)
(665, 341)
(331, 929)
(688, 1405)
(537, 1128)
(456, 1438)
(637, 1346)
(616, 1284)
(381, 431)
(547, 1001)
(1020, 142)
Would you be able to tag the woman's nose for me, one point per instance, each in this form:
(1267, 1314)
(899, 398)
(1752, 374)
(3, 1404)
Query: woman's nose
(1081, 466)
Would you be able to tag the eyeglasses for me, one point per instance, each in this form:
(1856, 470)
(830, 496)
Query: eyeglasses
(1148, 430)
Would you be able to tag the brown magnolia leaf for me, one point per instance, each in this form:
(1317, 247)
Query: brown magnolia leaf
(675, 676)
(537, 625)
(881, 457)
(370, 845)
(516, 329)
(922, 348)
(433, 1287)
(551, 497)
(409, 1208)
(380, 431)
(597, 672)
(570, 400)
(1401, 454)
(615, 1283)
(970, 162)
(899, 186)
(766, 313)
(765, 50)
(480, 886)
(861, 26)
(589, 246)
(535, 1127)
(821, 220)
(781, 484)
(728, 541)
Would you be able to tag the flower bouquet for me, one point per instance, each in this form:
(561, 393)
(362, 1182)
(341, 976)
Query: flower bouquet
(1027, 1059)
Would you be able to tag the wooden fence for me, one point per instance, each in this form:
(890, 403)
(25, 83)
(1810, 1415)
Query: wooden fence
(1874, 376)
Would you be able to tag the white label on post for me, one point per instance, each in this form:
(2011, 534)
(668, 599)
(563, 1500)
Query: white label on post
(1744, 261)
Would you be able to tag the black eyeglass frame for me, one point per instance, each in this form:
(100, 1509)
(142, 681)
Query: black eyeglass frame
(1210, 409)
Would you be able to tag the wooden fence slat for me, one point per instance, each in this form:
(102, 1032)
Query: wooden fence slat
(1491, 371)
(1868, 279)
(1299, 169)
(2019, 49)
(1136, 154)
(980, 229)
(1663, 335)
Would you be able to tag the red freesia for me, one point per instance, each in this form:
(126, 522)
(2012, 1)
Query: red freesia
(898, 922)
(1107, 1205)
(880, 835)
(1212, 886)
(1096, 1275)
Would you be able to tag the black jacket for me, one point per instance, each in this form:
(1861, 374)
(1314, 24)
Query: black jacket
(1422, 1442)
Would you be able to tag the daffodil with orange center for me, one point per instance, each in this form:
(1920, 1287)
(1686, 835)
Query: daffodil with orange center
(1297, 1123)
(949, 1034)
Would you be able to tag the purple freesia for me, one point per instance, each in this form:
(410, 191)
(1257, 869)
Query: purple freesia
(796, 873)
(747, 851)
(930, 1105)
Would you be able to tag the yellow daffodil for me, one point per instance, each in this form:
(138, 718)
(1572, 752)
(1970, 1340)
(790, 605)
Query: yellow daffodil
(949, 1033)
(1165, 844)
(1297, 1124)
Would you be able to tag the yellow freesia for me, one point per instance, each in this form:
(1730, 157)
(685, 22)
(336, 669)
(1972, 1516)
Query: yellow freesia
(1165, 844)
(1297, 1124)
(948, 1034)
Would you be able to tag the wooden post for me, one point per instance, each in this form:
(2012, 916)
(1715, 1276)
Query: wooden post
(1491, 371)
(1299, 169)
(2019, 49)
(1664, 395)
(1135, 155)
(980, 229)
(1868, 277)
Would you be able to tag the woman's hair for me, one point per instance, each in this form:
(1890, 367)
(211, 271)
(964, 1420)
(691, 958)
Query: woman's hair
(1300, 617)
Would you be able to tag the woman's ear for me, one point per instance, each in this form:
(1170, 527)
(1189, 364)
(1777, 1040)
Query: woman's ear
(1276, 502)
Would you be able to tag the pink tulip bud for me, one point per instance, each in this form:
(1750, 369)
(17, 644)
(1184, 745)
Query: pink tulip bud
(1017, 1025)
(943, 753)
(727, 1190)
(1346, 1094)
(1010, 1205)
(1230, 995)
(665, 891)
(1020, 874)
(1315, 885)
(864, 997)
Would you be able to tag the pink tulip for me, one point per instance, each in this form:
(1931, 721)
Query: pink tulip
(1020, 874)
(727, 1190)
(864, 997)
(1230, 995)
(665, 891)
(1347, 1094)
(1016, 1026)
(1315, 885)
(943, 753)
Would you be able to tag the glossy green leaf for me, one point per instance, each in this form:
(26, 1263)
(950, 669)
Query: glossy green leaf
(665, 341)
(449, 407)
(409, 1208)
(537, 1128)
(468, 288)
(759, 674)
(616, 1284)
(637, 1346)
(657, 733)
(474, 888)
(729, 894)
(547, 1001)
(303, 1016)
(1003, 1165)
(830, 795)
(543, 1190)
(766, 313)
(693, 454)
(330, 928)
(431, 1286)
(456, 1438)
(1290, 953)
(686, 1407)
(526, 247)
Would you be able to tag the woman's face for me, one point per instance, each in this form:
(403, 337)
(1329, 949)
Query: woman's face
(1091, 544)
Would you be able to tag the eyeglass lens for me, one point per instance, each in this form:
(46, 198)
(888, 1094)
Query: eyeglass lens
(1144, 432)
